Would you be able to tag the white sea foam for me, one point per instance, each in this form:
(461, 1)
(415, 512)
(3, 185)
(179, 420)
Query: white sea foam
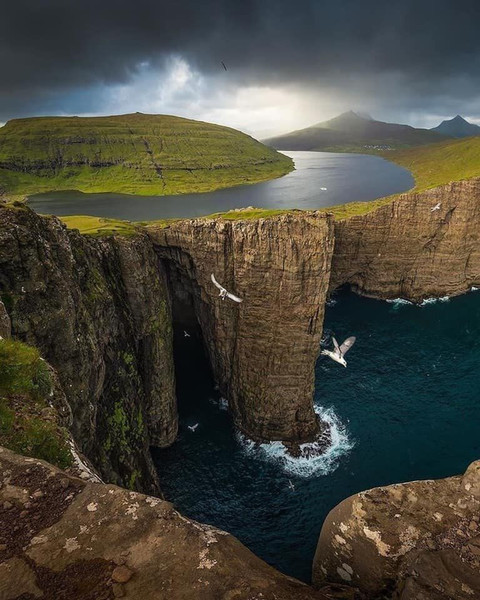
(398, 302)
(315, 462)
(221, 403)
(428, 301)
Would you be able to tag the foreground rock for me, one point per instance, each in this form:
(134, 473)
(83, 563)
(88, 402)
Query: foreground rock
(63, 538)
(412, 541)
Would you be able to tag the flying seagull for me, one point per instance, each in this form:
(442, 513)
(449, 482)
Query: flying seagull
(185, 334)
(436, 207)
(223, 65)
(223, 292)
(339, 352)
(192, 427)
(291, 486)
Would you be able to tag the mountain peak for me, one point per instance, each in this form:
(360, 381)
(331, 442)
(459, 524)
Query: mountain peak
(457, 127)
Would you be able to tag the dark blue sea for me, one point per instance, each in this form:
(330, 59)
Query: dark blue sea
(406, 407)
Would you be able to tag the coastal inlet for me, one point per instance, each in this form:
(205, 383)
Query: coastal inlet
(406, 408)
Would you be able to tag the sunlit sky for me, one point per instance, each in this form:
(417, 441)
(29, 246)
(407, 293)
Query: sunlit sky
(289, 65)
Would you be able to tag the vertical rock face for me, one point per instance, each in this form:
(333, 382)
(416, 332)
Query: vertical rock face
(418, 540)
(406, 249)
(99, 312)
(262, 351)
(5, 324)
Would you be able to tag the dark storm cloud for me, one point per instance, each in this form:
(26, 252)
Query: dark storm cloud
(56, 53)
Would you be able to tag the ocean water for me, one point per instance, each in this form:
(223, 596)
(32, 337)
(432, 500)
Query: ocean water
(320, 179)
(406, 407)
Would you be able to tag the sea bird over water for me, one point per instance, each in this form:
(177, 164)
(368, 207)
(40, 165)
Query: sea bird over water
(291, 486)
(192, 427)
(185, 334)
(339, 352)
(223, 292)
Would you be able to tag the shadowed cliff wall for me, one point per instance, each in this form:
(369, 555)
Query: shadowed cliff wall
(98, 310)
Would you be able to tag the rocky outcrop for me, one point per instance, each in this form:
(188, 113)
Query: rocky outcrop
(411, 541)
(99, 312)
(5, 324)
(262, 351)
(405, 249)
(61, 537)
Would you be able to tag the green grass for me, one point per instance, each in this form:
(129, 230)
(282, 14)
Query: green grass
(133, 154)
(98, 226)
(25, 385)
(442, 163)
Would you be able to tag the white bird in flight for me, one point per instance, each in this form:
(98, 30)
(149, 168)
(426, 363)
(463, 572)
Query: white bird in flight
(291, 486)
(185, 334)
(339, 352)
(192, 427)
(436, 207)
(223, 292)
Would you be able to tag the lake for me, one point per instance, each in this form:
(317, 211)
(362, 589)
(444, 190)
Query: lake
(345, 177)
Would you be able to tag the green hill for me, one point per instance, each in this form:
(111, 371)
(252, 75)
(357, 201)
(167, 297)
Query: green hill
(439, 164)
(350, 132)
(134, 154)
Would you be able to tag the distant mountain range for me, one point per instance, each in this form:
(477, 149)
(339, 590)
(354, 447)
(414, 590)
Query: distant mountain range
(355, 132)
(458, 127)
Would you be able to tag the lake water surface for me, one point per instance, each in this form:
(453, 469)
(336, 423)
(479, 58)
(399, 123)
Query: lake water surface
(407, 407)
(346, 177)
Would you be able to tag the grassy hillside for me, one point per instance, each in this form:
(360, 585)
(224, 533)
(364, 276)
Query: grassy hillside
(440, 163)
(135, 154)
(28, 423)
(350, 132)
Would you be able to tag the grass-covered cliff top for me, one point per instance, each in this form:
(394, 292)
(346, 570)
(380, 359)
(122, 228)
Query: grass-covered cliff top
(27, 422)
(134, 154)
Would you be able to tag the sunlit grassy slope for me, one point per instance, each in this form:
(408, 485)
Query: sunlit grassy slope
(442, 163)
(134, 154)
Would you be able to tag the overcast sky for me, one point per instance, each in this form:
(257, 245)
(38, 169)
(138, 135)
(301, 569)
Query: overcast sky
(289, 63)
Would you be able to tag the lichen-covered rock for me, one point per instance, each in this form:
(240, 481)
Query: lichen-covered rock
(418, 540)
(262, 351)
(5, 324)
(63, 538)
(99, 312)
(404, 249)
